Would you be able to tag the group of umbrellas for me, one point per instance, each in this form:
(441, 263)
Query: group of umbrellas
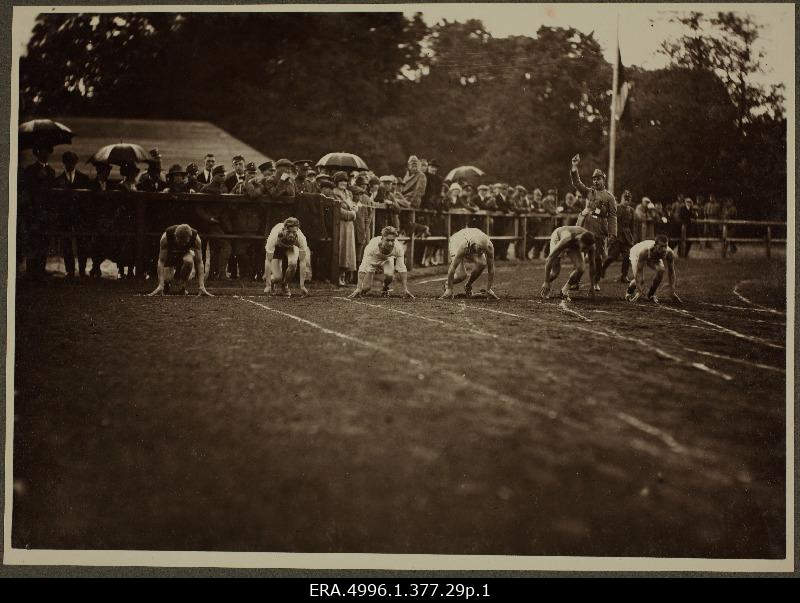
(48, 132)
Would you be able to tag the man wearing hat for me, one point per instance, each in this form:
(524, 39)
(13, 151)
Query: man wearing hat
(281, 183)
(285, 242)
(75, 215)
(237, 176)
(598, 217)
(303, 184)
(192, 170)
(267, 169)
(151, 181)
(432, 199)
(214, 221)
(33, 215)
(103, 247)
(247, 219)
(177, 181)
(483, 199)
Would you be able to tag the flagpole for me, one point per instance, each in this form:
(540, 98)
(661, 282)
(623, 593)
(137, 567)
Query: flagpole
(612, 151)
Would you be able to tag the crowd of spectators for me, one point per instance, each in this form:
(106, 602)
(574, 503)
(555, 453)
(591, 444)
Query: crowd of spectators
(356, 194)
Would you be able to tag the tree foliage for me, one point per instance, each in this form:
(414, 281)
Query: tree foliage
(386, 86)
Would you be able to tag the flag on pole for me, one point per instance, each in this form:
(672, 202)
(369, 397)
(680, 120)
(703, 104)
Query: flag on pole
(623, 87)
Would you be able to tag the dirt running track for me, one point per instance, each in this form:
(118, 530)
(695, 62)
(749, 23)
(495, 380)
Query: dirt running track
(520, 427)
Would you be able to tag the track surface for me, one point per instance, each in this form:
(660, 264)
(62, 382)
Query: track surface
(521, 427)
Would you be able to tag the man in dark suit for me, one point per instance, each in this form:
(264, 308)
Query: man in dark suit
(151, 181)
(34, 215)
(103, 247)
(206, 176)
(238, 174)
(75, 215)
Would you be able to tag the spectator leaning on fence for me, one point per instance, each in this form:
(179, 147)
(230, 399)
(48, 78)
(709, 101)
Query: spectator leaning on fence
(304, 183)
(191, 177)
(208, 165)
(281, 183)
(213, 221)
(151, 181)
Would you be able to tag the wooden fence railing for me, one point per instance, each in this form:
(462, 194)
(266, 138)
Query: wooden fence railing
(145, 208)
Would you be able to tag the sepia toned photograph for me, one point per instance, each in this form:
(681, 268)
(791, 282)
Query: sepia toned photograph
(412, 286)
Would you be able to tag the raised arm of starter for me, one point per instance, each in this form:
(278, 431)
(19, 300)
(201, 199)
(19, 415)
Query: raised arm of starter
(575, 178)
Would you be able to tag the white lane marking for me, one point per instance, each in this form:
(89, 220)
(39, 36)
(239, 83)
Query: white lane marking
(610, 333)
(485, 389)
(344, 336)
(461, 379)
(752, 303)
(662, 435)
(738, 360)
(431, 280)
(725, 330)
(563, 307)
(746, 308)
(419, 317)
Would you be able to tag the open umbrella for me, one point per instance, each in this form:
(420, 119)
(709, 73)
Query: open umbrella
(43, 131)
(342, 161)
(122, 152)
(467, 172)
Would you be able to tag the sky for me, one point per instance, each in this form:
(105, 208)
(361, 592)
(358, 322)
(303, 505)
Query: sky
(642, 27)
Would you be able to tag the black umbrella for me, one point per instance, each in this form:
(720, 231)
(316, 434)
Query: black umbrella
(117, 154)
(43, 132)
(342, 161)
(466, 172)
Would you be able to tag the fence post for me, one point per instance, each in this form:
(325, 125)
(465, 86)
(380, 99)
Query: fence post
(334, 265)
(447, 233)
(524, 237)
(724, 240)
(769, 241)
(411, 242)
(683, 240)
(139, 252)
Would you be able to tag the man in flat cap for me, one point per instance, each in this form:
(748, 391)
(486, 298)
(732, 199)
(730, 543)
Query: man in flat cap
(285, 242)
(237, 176)
(304, 184)
(214, 220)
(151, 181)
(247, 219)
(281, 183)
(267, 169)
(179, 252)
(598, 217)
